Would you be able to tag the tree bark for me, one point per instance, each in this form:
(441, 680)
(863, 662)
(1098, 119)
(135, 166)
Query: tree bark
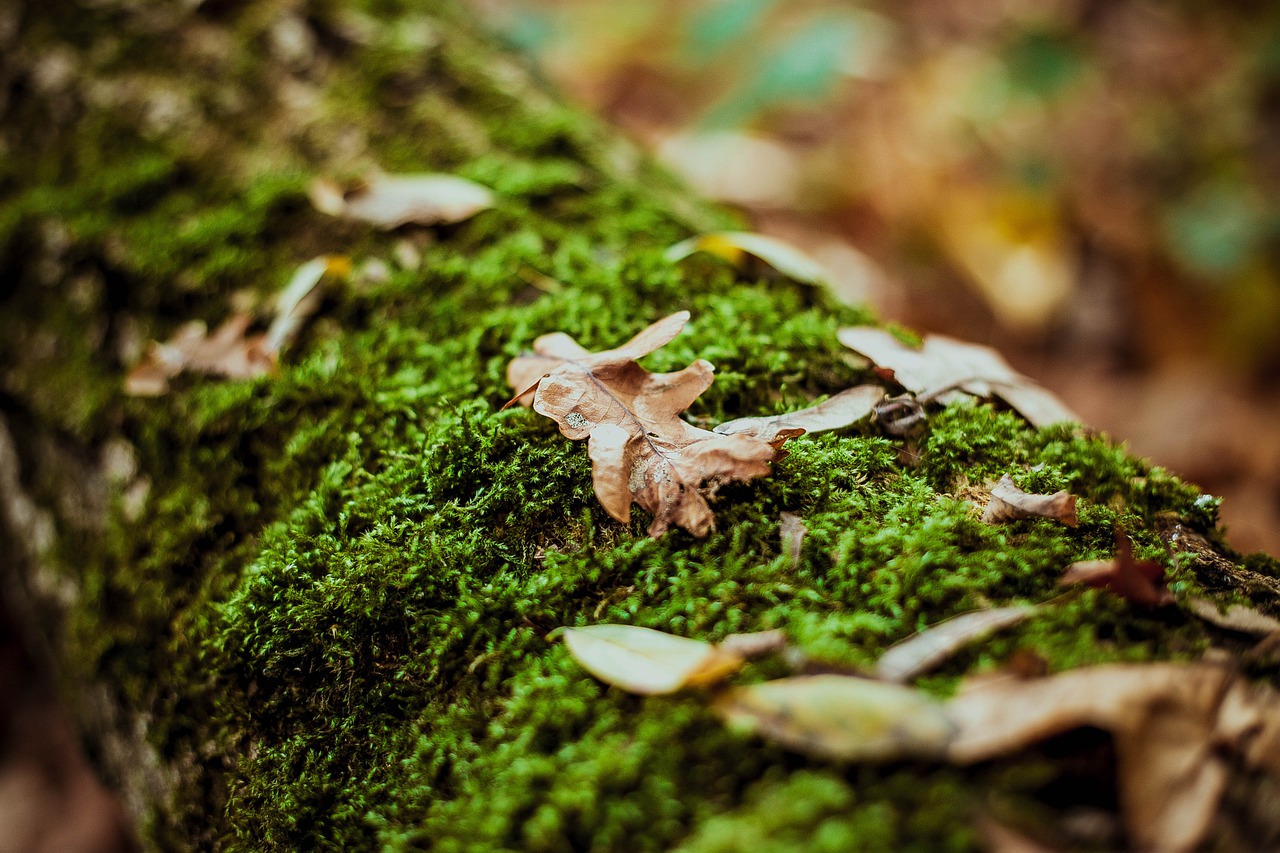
(308, 611)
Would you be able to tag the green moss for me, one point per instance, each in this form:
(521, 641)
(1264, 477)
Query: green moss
(343, 575)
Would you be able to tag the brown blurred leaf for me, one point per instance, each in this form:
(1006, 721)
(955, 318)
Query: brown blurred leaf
(922, 652)
(839, 411)
(1001, 838)
(943, 363)
(389, 201)
(648, 662)
(1171, 723)
(640, 449)
(840, 717)
(227, 352)
(1009, 503)
(230, 351)
(735, 246)
(1139, 581)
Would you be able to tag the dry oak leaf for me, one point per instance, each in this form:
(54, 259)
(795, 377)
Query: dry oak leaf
(1139, 581)
(639, 447)
(1009, 503)
(943, 363)
(648, 662)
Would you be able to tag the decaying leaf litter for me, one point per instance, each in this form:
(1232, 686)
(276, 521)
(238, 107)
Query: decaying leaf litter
(643, 452)
(1170, 721)
(1181, 729)
(231, 351)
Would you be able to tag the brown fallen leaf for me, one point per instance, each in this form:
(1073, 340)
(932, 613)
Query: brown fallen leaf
(229, 351)
(225, 352)
(922, 652)
(735, 246)
(1139, 581)
(1237, 617)
(389, 201)
(648, 662)
(1248, 724)
(839, 411)
(943, 363)
(639, 447)
(1171, 722)
(1009, 503)
(840, 717)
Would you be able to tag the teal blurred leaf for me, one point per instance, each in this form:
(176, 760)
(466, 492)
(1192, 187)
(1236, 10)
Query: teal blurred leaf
(1043, 64)
(804, 67)
(1214, 231)
(716, 27)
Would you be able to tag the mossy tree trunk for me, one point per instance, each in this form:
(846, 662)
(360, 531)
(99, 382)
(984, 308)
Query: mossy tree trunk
(308, 611)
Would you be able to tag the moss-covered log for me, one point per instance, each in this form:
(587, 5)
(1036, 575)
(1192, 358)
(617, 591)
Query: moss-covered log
(309, 611)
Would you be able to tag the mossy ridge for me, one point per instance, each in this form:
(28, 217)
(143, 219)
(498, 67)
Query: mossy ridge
(396, 582)
(380, 663)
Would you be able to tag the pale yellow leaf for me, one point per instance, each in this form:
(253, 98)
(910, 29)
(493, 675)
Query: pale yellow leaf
(641, 660)
(734, 246)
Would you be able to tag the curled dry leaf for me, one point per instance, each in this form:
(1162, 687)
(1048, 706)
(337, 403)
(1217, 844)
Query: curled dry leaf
(648, 662)
(1174, 725)
(944, 363)
(300, 299)
(839, 411)
(1009, 503)
(792, 531)
(231, 352)
(840, 717)
(639, 447)
(389, 201)
(754, 645)
(922, 652)
(735, 246)
(1237, 617)
(1139, 581)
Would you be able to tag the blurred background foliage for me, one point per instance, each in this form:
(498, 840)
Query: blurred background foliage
(1091, 185)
